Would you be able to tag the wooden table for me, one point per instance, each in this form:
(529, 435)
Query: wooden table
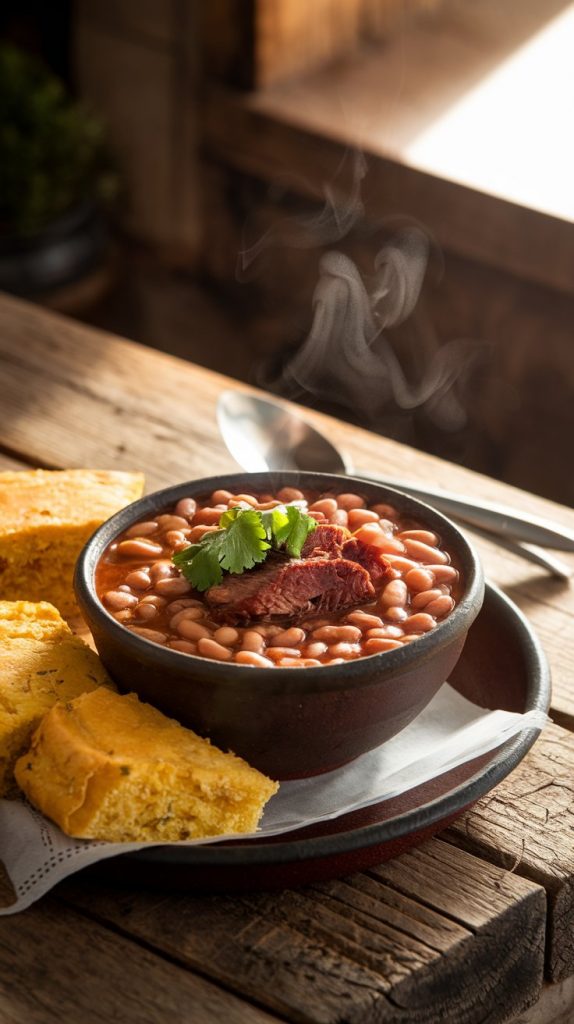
(474, 926)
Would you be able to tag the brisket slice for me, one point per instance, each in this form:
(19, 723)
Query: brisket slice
(290, 588)
(329, 541)
(367, 555)
(326, 541)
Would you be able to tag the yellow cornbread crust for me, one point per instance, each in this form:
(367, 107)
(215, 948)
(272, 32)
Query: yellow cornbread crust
(107, 767)
(46, 517)
(41, 662)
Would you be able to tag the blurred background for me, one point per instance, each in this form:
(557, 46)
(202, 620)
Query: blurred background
(363, 205)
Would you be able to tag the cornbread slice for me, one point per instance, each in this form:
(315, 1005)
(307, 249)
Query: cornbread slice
(105, 766)
(40, 662)
(45, 519)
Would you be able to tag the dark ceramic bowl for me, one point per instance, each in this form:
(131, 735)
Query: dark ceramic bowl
(287, 722)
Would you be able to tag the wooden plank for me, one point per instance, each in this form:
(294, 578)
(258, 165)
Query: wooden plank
(254, 135)
(369, 948)
(134, 95)
(526, 826)
(144, 20)
(97, 410)
(53, 967)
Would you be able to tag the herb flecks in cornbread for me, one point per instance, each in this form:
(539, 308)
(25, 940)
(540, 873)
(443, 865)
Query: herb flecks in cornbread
(46, 517)
(108, 767)
(41, 662)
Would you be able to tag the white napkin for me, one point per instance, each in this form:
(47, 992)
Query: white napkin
(450, 731)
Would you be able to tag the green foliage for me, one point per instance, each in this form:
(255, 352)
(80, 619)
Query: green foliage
(52, 153)
(244, 540)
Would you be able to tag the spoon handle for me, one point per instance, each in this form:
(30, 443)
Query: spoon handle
(530, 552)
(498, 519)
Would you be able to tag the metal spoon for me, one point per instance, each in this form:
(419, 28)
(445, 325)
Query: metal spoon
(263, 434)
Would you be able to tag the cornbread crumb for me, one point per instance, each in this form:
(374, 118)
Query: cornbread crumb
(46, 517)
(105, 766)
(41, 662)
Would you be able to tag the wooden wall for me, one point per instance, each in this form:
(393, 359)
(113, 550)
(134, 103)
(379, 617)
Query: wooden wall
(137, 64)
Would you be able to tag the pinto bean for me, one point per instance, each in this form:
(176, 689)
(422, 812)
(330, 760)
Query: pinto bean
(139, 547)
(118, 599)
(371, 533)
(162, 571)
(421, 622)
(344, 650)
(394, 593)
(375, 645)
(226, 635)
(191, 614)
(424, 597)
(290, 494)
(142, 529)
(155, 599)
(425, 553)
(384, 511)
(282, 652)
(253, 641)
(171, 522)
(440, 607)
(315, 650)
(191, 630)
(267, 631)
(138, 579)
(176, 539)
(426, 536)
(173, 587)
(350, 502)
(248, 499)
(208, 516)
(334, 634)
(419, 579)
(185, 646)
(328, 506)
(359, 516)
(289, 637)
(211, 649)
(197, 532)
(363, 620)
(387, 632)
(221, 497)
(186, 508)
(396, 614)
(252, 658)
(400, 563)
(124, 615)
(146, 611)
(443, 573)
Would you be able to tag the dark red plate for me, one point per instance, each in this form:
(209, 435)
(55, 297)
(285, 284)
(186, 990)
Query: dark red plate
(502, 666)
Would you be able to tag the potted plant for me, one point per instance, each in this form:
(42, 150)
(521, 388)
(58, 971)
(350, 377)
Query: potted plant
(55, 180)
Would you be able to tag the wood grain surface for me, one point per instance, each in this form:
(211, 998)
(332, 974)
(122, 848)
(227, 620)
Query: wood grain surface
(455, 931)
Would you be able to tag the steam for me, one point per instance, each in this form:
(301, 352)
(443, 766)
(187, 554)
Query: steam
(347, 357)
(335, 220)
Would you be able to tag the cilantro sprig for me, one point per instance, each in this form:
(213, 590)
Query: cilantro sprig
(244, 539)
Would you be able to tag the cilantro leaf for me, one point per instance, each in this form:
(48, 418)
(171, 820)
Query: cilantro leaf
(300, 526)
(243, 541)
(246, 541)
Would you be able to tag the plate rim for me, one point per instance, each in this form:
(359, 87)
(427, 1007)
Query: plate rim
(251, 853)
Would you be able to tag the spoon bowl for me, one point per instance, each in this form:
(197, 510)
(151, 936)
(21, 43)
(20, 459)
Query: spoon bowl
(266, 436)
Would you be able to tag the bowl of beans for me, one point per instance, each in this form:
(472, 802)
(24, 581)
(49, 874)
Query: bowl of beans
(298, 619)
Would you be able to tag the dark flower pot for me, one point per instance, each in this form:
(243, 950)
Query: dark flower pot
(64, 252)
